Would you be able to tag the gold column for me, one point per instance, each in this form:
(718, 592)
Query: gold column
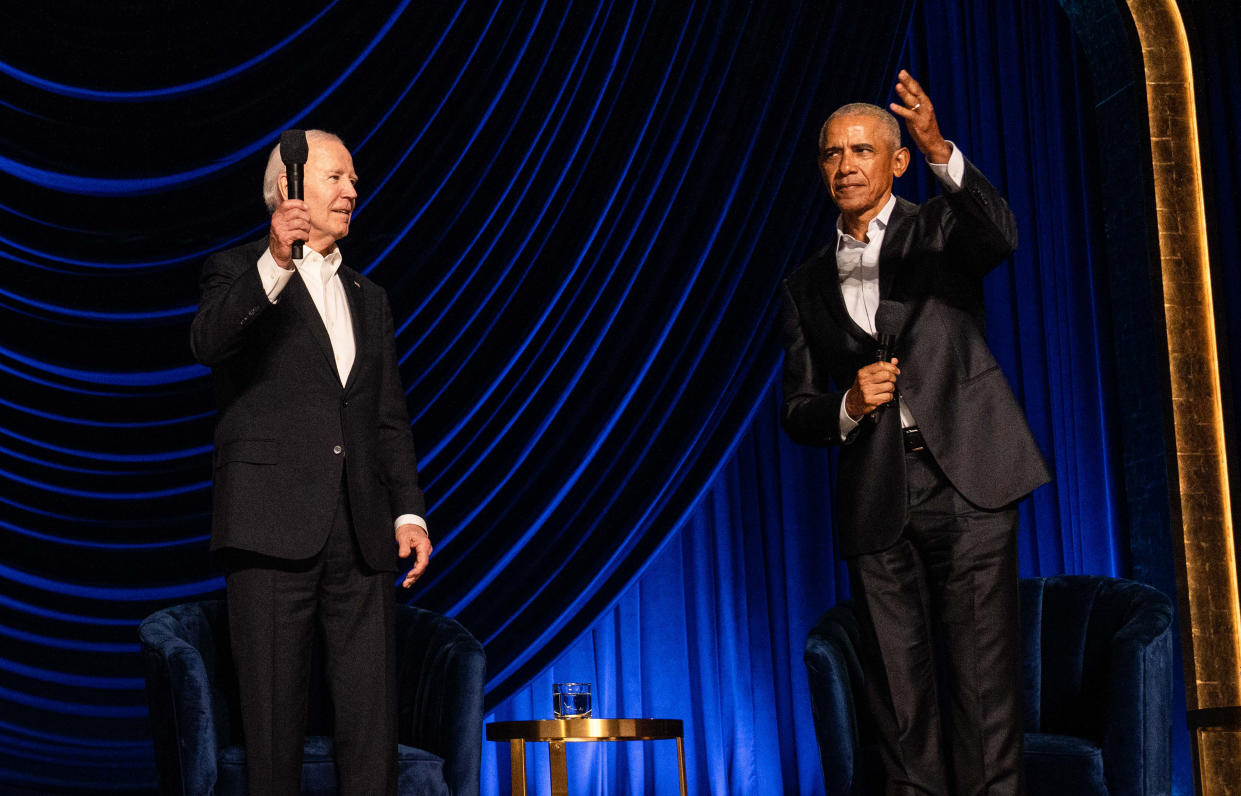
(1207, 575)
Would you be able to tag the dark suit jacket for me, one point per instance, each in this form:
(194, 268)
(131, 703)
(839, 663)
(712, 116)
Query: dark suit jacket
(287, 427)
(933, 259)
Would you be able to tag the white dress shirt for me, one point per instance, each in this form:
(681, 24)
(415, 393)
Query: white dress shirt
(327, 292)
(322, 280)
(857, 265)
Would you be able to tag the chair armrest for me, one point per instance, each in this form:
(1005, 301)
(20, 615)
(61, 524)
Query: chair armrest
(441, 671)
(836, 683)
(1136, 735)
(181, 712)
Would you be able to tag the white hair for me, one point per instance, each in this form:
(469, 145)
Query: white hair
(275, 168)
(888, 126)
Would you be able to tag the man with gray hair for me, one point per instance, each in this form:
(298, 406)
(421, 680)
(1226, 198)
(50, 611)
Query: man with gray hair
(885, 357)
(316, 489)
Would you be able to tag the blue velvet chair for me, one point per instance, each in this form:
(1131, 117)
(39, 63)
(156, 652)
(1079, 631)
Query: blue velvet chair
(1098, 690)
(196, 722)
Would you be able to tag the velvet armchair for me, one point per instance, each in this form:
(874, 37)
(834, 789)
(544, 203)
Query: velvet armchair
(1098, 687)
(196, 723)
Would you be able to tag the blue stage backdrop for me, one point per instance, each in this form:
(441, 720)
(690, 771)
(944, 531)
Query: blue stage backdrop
(581, 212)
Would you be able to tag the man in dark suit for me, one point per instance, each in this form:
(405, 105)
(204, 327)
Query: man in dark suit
(316, 486)
(927, 485)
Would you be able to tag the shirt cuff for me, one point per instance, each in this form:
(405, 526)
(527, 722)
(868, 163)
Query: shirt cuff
(274, 277)
(952, 173)
(411, 519)
(847, 424)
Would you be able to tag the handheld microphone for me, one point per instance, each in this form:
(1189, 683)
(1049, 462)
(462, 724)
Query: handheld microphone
(294, 151)
(890, 319)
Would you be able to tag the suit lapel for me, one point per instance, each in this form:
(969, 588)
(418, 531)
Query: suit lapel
(897, 239)
(296, 293)
(357, 313)
(827, 284)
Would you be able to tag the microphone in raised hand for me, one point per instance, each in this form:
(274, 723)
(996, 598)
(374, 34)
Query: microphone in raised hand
(293, 151)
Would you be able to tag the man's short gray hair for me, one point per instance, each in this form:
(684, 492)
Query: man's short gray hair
(887, 122)
(275, 168)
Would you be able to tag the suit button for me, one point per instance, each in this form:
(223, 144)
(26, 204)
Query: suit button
(337, 450)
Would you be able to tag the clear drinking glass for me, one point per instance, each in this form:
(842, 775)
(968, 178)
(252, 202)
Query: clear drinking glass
(571, 700)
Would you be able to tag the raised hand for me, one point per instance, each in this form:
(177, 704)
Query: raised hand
(919, 114)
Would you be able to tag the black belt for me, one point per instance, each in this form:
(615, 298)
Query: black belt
(913, 440)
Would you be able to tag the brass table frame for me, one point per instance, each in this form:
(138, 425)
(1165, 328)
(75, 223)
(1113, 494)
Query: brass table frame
(556, 732)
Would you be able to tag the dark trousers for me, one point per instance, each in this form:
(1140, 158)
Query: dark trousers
(942, 645)
(274, 607)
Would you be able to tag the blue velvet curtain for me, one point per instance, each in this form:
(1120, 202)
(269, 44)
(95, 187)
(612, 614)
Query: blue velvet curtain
(1009, 82)
(578, 211)
(581, 213)
(752, 566)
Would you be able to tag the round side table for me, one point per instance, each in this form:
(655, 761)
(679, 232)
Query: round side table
(556, 732)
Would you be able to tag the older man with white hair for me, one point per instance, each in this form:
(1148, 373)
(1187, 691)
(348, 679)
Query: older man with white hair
(316, 484)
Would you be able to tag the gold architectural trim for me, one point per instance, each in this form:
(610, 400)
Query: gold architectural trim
(1208, 572)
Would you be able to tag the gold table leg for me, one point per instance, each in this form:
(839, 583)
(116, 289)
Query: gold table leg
(681, 763)
(517, 761)
(560, 769)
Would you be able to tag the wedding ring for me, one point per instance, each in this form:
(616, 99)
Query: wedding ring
(916, 107)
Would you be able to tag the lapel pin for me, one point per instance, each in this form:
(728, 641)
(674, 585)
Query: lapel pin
(357, 284)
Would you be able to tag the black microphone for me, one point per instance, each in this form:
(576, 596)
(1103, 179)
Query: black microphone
(294, 151)
(890, 319)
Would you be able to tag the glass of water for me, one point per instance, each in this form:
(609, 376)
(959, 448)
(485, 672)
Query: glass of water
(571, 700)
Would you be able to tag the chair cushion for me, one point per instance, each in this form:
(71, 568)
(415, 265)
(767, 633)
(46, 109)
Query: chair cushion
(1063, 765)
(417, 771)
